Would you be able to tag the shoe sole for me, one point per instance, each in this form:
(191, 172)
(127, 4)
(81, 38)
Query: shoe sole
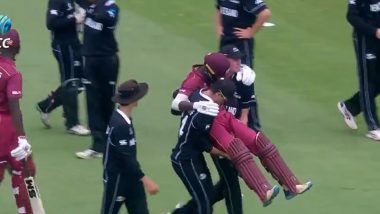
(341, 110)
(78, 134)
(373, 137)
(44, 122)
(276, 190)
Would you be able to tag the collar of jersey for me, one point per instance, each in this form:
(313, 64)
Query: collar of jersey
(204, 95)
(126, 118)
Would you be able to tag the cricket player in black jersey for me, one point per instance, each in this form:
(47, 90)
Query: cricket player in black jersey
(62, 20)
(124, 180)
(237, 23)
(101, 70)
(364, 16)
(193, 139)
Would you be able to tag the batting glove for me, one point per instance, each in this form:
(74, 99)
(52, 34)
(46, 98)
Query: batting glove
(206, 107)
(246, 75)
(23, 150)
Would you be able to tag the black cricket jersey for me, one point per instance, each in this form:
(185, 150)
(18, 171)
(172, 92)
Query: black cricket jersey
(193, 134)
(364, 16)
(120, 156)
(243, 97)
(238, 14)
(99, 29)
(60, 20)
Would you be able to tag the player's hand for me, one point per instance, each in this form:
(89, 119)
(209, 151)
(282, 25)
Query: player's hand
(378, 33)
(151, 187)
(243, 33)
(246, 75)
(79, 18)
(206, 107)
(23, 150)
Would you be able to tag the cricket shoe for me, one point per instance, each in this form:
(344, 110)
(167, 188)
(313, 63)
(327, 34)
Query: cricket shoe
(79, 130)
(374, 134)
(348, 118)
(302, 188)
(44, 117)
(272, 194)
(88, 154)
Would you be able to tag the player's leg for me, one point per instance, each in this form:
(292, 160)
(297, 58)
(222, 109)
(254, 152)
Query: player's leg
(197, 179)
(135, 200)
(20, 192)
(243, 161)
(228, 186)
(112, 201)
(271, 159)
(94, 110)
(366, 59)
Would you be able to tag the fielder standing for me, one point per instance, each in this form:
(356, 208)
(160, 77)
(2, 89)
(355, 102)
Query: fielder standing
(124, 181)
(101, 69)
(14, 147)
(62, 20)
(237, 23)
(364, 16)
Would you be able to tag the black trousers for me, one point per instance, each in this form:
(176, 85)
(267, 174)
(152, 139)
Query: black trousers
(69, 58)
(367, 51)
(119, 190)
(100, 80)
(246, 47)
(197, 178)
(228, 186)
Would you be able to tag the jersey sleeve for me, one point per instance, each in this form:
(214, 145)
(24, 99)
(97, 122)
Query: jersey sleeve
(254, 6)
(55, 20)
(14, 86)
(191, 84)
(202, 123)
(125, 144)
(356, 20)
(108, 15)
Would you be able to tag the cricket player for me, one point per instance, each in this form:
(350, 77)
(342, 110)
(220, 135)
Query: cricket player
(124, 180)
(364, 16)
(193, 139)
(101, 70)
(237, 140)
(14, 146)
(237, 23)
(62, 21)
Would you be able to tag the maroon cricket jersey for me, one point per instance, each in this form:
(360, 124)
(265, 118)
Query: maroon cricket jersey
(10, 83)
(195, 80)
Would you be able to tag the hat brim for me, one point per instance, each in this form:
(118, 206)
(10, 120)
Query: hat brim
(235, 56)
(143, 90)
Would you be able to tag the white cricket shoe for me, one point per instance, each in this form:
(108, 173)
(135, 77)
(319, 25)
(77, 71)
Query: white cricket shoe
(88, 154)
(374, 134)
(79, 130)
(348, 118)
(44, 117)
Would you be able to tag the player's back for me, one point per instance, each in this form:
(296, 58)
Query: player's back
(10, 79)
(194, 81)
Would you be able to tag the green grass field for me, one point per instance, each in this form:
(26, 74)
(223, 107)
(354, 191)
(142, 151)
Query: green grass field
(304, 65)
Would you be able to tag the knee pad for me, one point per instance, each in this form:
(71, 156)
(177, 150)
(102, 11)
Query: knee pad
(264, 146)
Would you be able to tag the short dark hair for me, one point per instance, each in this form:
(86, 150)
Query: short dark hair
(225, 86)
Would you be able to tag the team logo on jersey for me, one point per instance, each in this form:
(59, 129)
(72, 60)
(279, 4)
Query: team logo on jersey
(16, 92)
(370, 56)
(202, 176)
(375, 7)
(123, 142)
(228, 12)
(93, 24)
(132, 142)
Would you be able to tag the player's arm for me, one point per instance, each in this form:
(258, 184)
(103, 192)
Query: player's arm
(14, 94)
(355, 19)
(54, 20)
(262, 13)
(244, 115)
(218, 23)
(108, 16)
(123, 141)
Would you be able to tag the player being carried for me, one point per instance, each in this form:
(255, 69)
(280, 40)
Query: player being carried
(14, 148)
(233, 137)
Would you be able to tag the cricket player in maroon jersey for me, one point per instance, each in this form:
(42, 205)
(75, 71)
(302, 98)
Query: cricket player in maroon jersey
(14, 147)
(234, 137)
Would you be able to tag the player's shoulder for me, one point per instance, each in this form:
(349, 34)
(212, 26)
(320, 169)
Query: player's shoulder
(197, 96)
(8, 71)
(110, 3)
